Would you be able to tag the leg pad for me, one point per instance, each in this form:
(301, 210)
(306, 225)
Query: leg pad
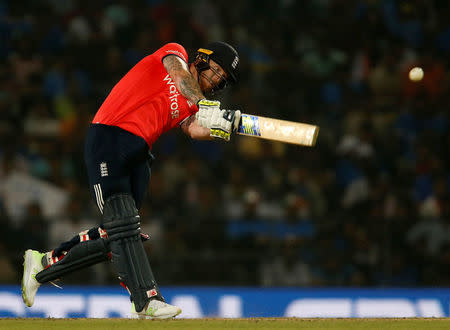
(122, 223)
(80, 256)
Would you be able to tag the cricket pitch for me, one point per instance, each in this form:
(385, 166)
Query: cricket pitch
(219, 323)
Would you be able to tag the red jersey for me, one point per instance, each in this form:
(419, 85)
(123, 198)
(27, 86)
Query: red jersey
(145, 101)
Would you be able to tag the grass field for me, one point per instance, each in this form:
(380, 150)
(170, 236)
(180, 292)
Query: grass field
(256, 323)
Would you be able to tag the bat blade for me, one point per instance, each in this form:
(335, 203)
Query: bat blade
(278, 130)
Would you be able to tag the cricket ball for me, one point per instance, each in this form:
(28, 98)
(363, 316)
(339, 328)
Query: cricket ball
(416, 74)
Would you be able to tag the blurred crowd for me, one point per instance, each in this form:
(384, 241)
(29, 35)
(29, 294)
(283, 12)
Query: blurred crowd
(368, 206)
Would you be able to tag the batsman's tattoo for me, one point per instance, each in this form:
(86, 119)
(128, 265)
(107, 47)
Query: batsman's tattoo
(187, 85)
(190, 89)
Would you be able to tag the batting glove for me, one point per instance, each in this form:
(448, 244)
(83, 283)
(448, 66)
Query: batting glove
(220, 122)
(205, 105)
(227, 122)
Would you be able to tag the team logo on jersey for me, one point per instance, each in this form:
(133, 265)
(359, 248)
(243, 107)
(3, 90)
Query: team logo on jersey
(173, 98)
(103, 169)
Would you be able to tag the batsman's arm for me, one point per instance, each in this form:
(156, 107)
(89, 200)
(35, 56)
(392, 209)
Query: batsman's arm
(183, 79)
(191, 127)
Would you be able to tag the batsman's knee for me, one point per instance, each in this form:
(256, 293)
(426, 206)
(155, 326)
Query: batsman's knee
(121, 218)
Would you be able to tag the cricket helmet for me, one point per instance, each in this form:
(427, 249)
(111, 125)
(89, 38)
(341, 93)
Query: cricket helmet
(221, 53)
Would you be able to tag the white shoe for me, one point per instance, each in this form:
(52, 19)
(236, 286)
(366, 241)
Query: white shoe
(31, 266)
(157, 309)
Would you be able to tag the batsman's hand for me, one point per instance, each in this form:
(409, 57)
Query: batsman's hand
(204, 106)
(220, 122)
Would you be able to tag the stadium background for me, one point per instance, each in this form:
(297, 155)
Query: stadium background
(367, 207)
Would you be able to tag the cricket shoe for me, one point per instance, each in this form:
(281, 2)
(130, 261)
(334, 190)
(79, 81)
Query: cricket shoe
(31, 266)
(156, 309)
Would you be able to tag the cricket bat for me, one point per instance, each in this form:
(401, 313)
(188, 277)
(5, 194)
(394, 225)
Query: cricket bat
(278, 130)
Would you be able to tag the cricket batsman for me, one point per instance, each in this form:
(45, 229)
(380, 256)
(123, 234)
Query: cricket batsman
(159, 93)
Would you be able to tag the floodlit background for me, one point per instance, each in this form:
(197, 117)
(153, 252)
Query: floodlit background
(367, 207)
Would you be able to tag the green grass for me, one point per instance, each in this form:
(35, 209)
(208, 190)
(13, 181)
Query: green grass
(255, 323)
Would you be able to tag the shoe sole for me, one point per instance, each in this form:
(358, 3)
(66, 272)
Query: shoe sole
(162, 317)
(26, 260)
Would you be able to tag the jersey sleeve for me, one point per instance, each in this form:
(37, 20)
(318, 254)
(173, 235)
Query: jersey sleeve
(172, 49)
